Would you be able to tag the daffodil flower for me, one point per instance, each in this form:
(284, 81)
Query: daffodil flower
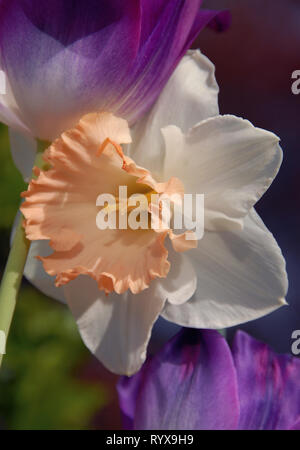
(118, 282)
(199, 382)
(64, 58)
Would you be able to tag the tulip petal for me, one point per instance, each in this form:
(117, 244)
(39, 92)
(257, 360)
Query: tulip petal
(241, 276)
(268, 385)
(296, 425)
(116, 328)
(193, 91)
(190, 384)
(128, 390)
(228, 160)
(65, 59)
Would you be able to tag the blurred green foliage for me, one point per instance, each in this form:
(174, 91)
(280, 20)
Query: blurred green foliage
(39, 388)
(40, 383)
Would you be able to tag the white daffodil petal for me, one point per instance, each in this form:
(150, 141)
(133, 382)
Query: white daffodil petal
(35, 273)
(191, 95)
(241, 276)
(181, 283)
(228, 160)
(116, 328)
(23, 150)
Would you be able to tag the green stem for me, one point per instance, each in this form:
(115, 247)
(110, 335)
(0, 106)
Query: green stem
(12, 278)
(13, 273)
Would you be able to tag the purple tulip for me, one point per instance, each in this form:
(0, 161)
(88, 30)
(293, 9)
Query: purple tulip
(198, 382)
(64, 58)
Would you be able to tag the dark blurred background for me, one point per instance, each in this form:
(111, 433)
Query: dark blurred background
(254, 62)
(49, 380)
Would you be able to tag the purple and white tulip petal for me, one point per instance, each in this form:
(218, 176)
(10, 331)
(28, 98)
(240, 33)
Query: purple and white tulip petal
(197, 382)
(189, 384)
(179, 23)
(269, 388)
(66, 58)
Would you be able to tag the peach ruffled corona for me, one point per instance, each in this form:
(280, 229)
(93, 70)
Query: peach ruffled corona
(60, 206)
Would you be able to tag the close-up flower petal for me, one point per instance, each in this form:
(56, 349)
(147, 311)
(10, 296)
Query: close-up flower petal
(189, 385)
(197, 381)
(241, 276)
(116, 329)
(268, 385)
(229, 160)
